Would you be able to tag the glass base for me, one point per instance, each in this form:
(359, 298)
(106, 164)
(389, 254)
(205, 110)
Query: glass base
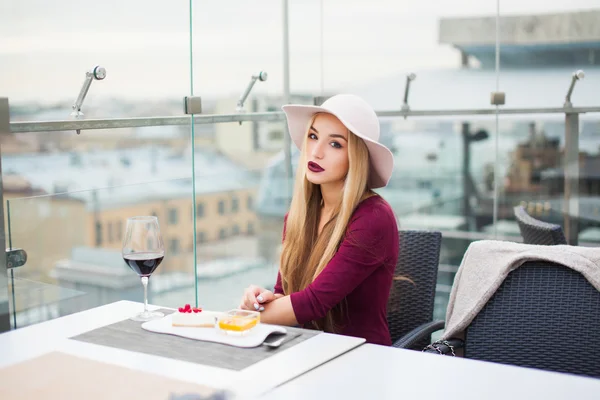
(147, 316)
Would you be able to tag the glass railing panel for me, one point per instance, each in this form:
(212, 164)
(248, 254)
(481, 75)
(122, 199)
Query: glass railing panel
(241, 200)
(444, 180)
(535, 177)
(245, 39)
(443, 177)
(73, 242)
(67, 210)
(146, 59)
(432, 47)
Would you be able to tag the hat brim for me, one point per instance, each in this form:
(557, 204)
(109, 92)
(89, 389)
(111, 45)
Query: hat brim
(380, 157)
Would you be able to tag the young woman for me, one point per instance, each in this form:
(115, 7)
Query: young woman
(340, 244)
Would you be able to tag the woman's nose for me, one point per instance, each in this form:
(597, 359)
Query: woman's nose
(317, 151)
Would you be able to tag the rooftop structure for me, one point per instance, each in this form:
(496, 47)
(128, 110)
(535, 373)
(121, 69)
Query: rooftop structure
(546, 40)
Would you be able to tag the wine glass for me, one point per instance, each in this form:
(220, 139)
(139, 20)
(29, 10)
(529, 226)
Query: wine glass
(143, 251)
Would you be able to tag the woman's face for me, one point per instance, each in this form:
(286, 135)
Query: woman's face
(327, 151)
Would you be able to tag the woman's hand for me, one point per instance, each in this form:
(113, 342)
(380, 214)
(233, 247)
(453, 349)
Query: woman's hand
(255, 297)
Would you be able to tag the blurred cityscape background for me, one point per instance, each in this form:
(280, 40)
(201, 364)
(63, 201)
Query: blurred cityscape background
(457, 170)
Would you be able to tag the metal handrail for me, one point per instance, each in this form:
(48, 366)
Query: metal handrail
(116, 123)
(140, 122)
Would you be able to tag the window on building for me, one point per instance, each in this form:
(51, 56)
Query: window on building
(200, 237)
(174, 246)
(235, 204)
(200, 210)
(173, 216)
(275, 135)
(120, 231)
(250, 203)
(109, 229)
(98, 233)
(221, 207)
(235, 229)
(222, 233)
(250, 228)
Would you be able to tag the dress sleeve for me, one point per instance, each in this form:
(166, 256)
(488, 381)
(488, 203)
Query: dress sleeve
(364, 249)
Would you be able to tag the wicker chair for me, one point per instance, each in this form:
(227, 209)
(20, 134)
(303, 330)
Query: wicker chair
(543, 316)
(410, 305)
(538, 232)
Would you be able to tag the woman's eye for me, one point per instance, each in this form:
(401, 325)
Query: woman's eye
(336, 145)
(312, 136)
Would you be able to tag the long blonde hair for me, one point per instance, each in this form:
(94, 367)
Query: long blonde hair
(306, 252)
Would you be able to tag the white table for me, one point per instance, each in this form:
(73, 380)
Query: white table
(377, 372)
(29, 342)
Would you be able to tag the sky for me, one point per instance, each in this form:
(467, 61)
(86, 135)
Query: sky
(46, 47)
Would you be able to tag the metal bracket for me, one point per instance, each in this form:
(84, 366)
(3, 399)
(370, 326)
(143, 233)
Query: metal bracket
(192, 105)
(15, 258)
(97, 73)
(577, 75)
(498, 98)
(409, 78)
(261, 76)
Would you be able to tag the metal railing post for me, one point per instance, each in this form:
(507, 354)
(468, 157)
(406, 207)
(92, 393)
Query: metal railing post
(4, 304)
(287, 142)
(571, 178)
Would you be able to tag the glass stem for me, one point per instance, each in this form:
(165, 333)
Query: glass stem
(145, 284)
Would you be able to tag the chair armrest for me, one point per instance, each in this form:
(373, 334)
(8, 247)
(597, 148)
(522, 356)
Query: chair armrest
(418, 334)
(445, 347)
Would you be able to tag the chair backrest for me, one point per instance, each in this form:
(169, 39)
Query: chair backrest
(543, 316)
(538, 232)
(411, 303)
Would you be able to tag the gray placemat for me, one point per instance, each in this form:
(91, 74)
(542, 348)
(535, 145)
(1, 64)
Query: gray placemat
(129, 335)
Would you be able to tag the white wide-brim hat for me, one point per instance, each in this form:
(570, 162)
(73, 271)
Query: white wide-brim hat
(360, 119)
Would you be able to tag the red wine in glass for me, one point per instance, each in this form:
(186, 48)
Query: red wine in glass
(143, 251)
(143, 264)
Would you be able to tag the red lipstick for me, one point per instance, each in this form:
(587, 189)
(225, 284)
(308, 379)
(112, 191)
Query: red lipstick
(314, 167)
